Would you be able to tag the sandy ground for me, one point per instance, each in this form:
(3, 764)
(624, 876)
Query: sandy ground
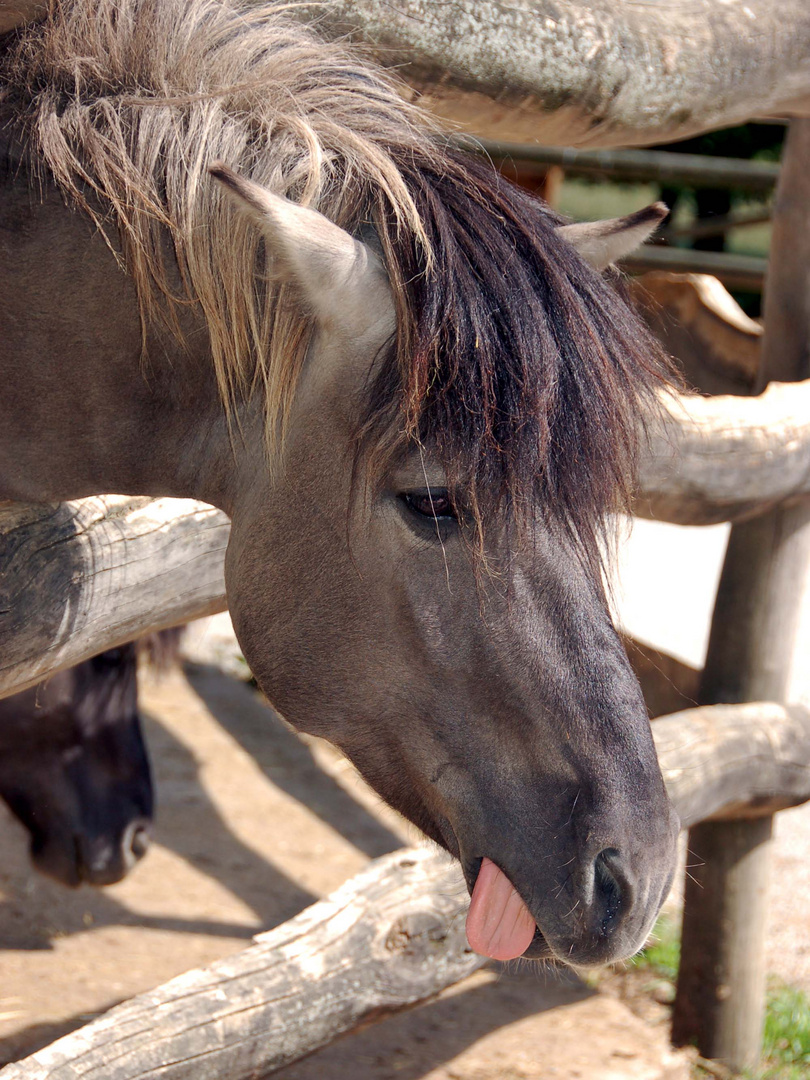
(254, 824)
(246, 837)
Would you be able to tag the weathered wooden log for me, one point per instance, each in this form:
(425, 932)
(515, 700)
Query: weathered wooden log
(589, 72)
(715, 343)
(751, 760)
(84, 576)
(720, 996)
(726, 458)
(721, 979)
(393, 935)
(728, 762)
(582, 72)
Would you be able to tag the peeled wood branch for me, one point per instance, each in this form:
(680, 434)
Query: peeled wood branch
(81, 577)
(578, 72)
(589, 72)
(390, 937)
(724, 762)
(394, 934)
(725, 458)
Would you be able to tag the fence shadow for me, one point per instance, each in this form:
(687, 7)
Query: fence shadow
(411, 1045)
(285, 760)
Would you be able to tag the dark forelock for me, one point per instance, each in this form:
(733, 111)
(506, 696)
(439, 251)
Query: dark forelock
(517, 364)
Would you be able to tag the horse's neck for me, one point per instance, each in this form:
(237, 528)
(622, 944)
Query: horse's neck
(80, 411)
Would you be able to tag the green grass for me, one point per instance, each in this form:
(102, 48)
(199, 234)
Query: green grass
(663, 953)
(786, 1042)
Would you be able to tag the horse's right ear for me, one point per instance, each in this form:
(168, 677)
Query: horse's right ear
(603, 242)
(342, 281)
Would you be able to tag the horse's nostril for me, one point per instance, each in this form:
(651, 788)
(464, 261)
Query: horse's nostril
(140, 843)
(608, 889)
(135, 842)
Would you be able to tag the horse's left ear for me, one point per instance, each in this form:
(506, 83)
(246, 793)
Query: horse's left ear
(342, 281)
(603, 242)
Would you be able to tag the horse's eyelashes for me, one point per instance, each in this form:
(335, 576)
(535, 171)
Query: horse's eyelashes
(435, 504)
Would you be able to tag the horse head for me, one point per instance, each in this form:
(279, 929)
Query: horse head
(480, 688)
(413, 396)
(74, 770)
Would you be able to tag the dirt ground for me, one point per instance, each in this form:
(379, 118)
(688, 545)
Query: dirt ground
(252, 826)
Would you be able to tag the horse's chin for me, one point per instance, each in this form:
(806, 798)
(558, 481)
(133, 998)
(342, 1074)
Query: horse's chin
(58, 864)
(444, 835)
(539, 948)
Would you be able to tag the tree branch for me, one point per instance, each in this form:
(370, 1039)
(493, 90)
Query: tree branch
(588, 72)
(577, 72)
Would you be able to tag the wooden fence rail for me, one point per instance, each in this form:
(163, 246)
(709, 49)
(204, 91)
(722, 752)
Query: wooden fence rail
(588, 72)
(394, 934)
(726, 458)
(82, 577)
(661, 166)
(595, 73)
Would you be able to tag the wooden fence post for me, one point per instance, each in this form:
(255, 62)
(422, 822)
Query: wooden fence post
(720, 995)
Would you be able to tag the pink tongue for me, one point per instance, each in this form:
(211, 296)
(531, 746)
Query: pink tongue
(499, 923)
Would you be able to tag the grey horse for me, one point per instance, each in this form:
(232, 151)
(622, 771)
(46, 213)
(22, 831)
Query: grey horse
(412, 394)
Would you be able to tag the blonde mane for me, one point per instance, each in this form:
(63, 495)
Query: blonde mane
(131, 101)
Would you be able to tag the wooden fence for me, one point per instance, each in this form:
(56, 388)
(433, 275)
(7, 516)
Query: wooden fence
(81, 577)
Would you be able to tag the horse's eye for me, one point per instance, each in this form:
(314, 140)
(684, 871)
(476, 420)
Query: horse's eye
(435, 504)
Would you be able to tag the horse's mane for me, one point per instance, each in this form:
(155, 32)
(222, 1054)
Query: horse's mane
(514, 361)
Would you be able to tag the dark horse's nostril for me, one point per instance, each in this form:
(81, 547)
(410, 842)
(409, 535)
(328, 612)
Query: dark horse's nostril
(140, 843)
(607, 890)
(135, 842)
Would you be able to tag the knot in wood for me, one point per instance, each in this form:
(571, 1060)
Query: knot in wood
(417, 934)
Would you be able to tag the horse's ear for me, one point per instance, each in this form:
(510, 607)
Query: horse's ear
(603, 242)
(343, 282)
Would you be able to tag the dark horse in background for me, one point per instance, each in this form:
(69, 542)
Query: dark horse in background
(237, 266)
(74, 767)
